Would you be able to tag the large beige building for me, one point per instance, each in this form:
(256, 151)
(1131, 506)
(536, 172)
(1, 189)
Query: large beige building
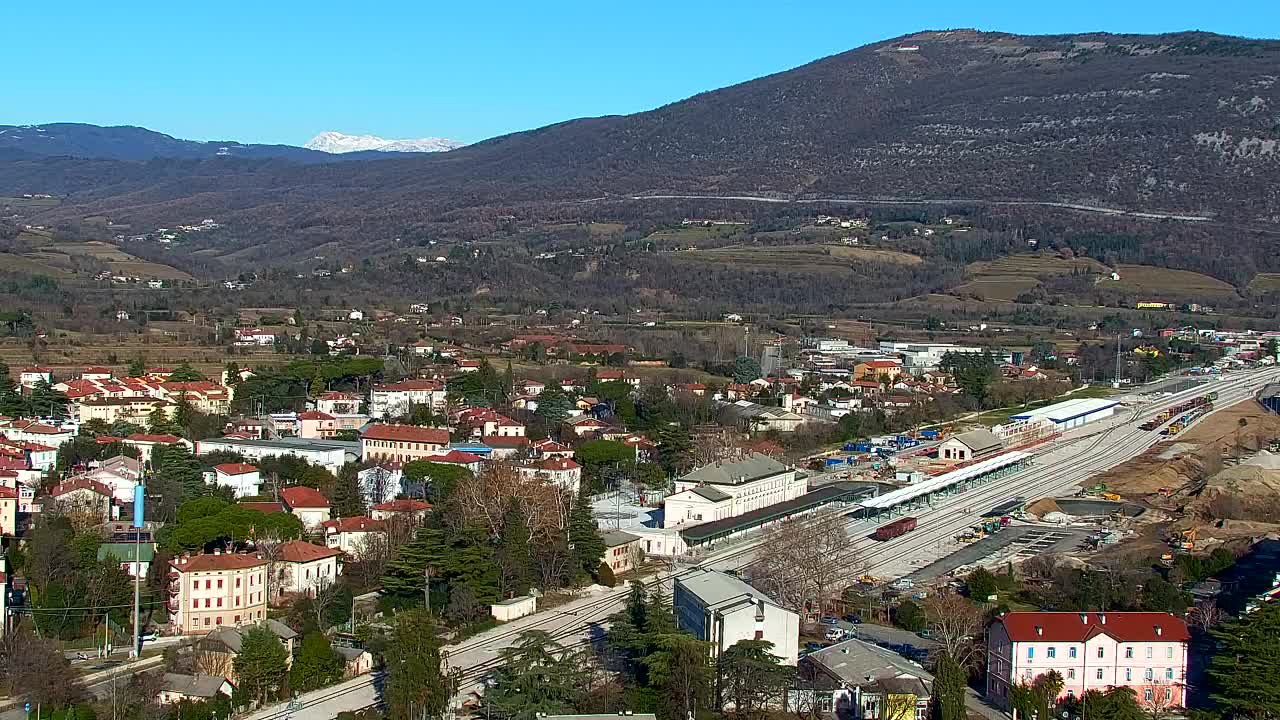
(402, 443)
(218, 589)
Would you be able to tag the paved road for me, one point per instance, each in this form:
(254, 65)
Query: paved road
(1060, 465)
(932, 201)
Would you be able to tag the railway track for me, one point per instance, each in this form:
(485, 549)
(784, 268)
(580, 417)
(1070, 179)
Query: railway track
(1095, 452)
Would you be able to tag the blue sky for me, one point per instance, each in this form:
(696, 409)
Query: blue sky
(282, 71)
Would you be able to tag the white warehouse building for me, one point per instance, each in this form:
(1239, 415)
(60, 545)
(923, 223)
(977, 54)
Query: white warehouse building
(720, 609)
(1071, 413)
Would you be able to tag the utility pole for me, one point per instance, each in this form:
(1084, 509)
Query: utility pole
(1116, 383)
(139, 502)
(426, 588)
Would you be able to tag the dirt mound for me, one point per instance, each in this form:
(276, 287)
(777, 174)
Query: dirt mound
(1183, 465)
(1043, 507)
(1243, 492)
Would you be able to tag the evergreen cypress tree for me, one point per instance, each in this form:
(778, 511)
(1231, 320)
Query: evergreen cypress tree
(406, 573)
(588, 548)
(346, 498)
(513, 550)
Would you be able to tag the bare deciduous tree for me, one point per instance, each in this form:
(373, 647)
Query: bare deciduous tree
(805, 562)
(486, 500)
(954, 622)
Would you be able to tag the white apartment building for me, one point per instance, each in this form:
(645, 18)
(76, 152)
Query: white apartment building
(302, 568)
(720, 609)
(243, 479)
(1146, 651)
(397, 399)
(218, 589)
(729, 489)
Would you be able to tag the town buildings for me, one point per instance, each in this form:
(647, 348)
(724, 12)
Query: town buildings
(731, 488)
(308, 504)
(217, 589)
(402, 443)
(1146, 651)
(302, 568)
(398, 399)
(720, 609)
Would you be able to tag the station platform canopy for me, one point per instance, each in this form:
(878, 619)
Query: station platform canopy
(933, 484)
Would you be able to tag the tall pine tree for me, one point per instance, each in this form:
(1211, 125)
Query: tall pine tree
(346, 498)
(406, 573)
(588, 547)
(513, 553)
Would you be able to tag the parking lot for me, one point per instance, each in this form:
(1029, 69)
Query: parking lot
(1017, 542)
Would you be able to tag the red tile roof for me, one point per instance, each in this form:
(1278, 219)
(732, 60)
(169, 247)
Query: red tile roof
(554, 464)
(408, 433)
(353, 525)
(456, 457)
(302, 551)
(300, 496)
(314, 415)
(8, 492)
(235, 468)
(161, 439)
(1078, 627)
(883, 363)
(403, 505)
(410, 385)
(82, 483)
(223, 561)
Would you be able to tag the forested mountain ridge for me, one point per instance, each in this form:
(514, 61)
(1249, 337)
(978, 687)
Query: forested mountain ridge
(1186, 122)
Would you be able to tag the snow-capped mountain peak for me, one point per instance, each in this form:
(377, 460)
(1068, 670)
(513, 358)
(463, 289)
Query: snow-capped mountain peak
(336, 142)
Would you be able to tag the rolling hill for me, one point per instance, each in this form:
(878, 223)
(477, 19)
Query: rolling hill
(1181, 123)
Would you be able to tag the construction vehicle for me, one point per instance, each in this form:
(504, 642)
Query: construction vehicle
(1187, 539)
(1167, 559)
(1110, 496)
(868, 579)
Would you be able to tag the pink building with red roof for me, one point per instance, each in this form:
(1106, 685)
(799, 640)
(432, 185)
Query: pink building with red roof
(1146, 651)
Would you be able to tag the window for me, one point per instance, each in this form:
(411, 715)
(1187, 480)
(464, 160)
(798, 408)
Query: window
(1071, 653)
(1031, 653)
(1146, 694)
(1101, 652)
(219, 602)
(206, 622)
(237, 582)
(1169, 652)
(1099, 673)
(1026, 673)
(1071, 673)
(208, 584)
(1128, 653)
(1168, 693)
(1051, 653)
(1128, 674)
(195, 584)
(206, 602)
(1149, 675)
(1071, 693)
(219, 619)
(1148, 652)
(1168, 673)
(237, 619)
(195, 604)
(219, 583)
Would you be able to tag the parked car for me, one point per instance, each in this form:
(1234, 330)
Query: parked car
(829, 620)
(835, 633)
(925, 633)
(812, 647)
(853, 619)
